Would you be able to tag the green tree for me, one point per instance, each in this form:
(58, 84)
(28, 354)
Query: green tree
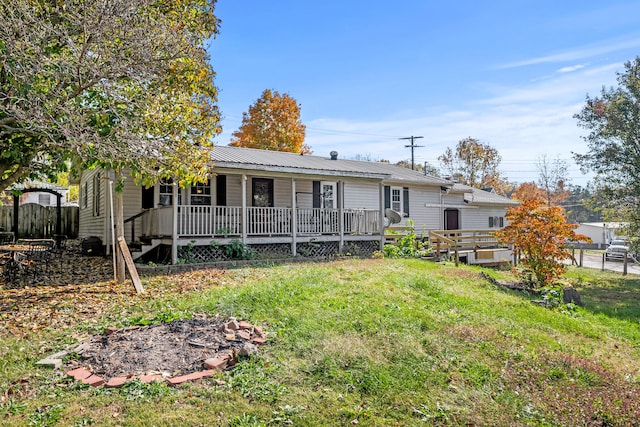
(121, 84)
(109, 83)
(272, 123)
(581, 205)
(474, 164)
(613, 146)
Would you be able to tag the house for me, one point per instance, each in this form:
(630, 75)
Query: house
(284, 203)
(602, 233)
(42, 193)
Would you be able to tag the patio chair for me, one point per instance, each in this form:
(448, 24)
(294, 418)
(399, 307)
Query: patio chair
(6, 238)
(60, 247)
(36, 258)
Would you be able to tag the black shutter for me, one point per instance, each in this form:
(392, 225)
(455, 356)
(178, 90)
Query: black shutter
(387, 197)
(490, 222)
(316, 194)
(147, 197)
(221, 190)
(501, 221)
(405, 200)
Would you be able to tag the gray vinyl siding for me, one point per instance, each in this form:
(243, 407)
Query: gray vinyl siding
(282, 193)
(304, 194)
(361, 195)
(424, 209)
(234, 190)
(474, 219)
(89, 224)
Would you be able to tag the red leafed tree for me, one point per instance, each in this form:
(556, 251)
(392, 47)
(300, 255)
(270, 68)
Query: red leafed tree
(539, 235)
(272, 123)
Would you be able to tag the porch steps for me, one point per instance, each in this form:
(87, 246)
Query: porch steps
(143, 246)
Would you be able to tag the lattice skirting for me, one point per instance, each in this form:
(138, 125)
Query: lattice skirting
(198, 254)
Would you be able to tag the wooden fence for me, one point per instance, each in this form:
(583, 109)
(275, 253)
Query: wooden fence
(38, 221)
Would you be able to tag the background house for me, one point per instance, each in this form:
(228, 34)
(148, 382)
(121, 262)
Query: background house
(602, 233)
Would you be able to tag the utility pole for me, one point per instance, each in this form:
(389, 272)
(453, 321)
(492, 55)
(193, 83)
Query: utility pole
(412, 146)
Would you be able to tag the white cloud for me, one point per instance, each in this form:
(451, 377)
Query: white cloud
(571, 68)
(590, 51)
(521, 122)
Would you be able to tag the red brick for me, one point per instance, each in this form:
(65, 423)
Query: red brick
(232, 325)
(243, 324)
(258, 340)
(258, 330)
(116, 382)
(245, 335)
(149, 378)
(110, 330)
(208, 373)
(94, 381)
(216, 363)
(79, 373)
(184, 378)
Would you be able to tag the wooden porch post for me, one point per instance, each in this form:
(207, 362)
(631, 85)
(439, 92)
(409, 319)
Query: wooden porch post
(341, 215)
(381, 213)
(174, 233)
(294, 219)
(244, 208)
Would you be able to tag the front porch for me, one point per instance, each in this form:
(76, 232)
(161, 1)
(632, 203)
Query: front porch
(271, 227)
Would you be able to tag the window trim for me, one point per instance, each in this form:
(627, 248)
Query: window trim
(334, 194)
(400, 201)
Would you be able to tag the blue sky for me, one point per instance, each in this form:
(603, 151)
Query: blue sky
(366, 73)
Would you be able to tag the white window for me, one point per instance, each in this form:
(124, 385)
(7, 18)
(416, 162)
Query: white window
(201, 194)
(165, 192)
(44, 199)
(396, 199)
(328, 193)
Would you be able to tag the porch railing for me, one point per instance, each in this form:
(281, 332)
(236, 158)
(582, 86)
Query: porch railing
(205, 221)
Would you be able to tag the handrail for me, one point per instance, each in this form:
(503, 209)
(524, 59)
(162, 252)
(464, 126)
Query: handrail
(456, 239)
(133, 223)
(135, 216)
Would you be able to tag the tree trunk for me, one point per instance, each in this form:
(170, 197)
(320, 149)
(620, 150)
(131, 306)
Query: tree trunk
(119, 231)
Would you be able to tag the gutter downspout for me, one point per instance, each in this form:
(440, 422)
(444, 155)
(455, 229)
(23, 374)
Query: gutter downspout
(174, 225)
(244, 209)
(294, 219)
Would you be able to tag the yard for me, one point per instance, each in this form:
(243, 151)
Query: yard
(366, 342)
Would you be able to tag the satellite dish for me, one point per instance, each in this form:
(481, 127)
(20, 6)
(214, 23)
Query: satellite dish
(393, 216)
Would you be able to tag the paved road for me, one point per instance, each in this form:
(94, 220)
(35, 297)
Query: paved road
(591, 260)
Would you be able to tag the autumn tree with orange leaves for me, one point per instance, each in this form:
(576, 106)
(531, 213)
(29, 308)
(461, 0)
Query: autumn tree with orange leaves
(539, 235)
(272, 123)
(529, 190)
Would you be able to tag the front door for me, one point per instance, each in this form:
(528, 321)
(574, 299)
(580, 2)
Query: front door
(262, 192)
(328, 195)
(451, 219)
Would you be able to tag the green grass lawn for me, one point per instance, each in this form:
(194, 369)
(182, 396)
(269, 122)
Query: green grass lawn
(366, 342)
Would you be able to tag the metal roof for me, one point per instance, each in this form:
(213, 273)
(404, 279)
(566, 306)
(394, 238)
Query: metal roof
(248, 158)
(483, 197)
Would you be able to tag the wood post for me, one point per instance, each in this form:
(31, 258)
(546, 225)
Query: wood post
(124, 249)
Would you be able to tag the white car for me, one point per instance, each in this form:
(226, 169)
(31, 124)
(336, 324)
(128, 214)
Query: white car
(617, 249)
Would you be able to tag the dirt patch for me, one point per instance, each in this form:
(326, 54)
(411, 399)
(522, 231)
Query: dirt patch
(170, 349)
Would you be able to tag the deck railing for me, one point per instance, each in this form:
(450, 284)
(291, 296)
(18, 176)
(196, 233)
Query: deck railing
(268, 221)
(210, 221)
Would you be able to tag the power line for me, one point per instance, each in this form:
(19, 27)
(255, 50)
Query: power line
(412, 146)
